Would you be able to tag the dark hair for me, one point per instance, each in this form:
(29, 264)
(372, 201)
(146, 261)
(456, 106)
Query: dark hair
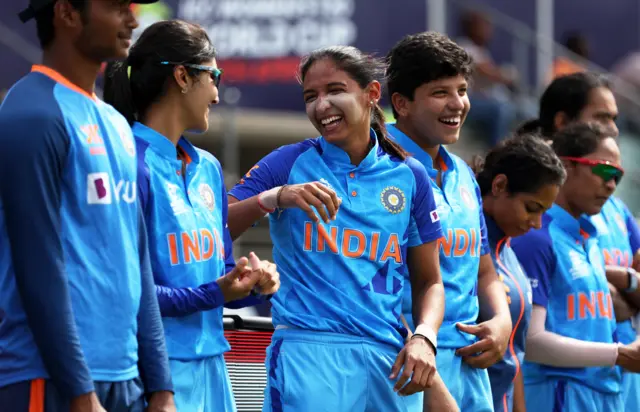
(422, 58)
(527, 161)
(44, 20)
(131, 86)
(568, 94)
(363, 69)
(577, 43)
(578, 140)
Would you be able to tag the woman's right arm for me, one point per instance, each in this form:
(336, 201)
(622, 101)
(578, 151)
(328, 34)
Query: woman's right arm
(264, 189)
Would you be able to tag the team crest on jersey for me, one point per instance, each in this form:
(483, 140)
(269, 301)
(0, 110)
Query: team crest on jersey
(393, 199)
(206, 194)
(466, 198)
(129, 145)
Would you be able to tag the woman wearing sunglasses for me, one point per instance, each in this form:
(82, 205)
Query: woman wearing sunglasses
(164, 88)
(587, 97)
(571, 348)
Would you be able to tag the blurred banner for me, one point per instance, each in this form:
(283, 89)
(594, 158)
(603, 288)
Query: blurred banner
(260, 41)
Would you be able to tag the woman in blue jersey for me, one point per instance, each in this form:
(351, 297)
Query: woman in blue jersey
(587, 97)
(427, 80)
(519, 180)
(339, 343)
(572, 349)
(164, 88)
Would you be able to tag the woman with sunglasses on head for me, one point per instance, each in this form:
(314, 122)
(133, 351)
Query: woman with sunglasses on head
(571, 347)
(519, 182)
(164, 88)
(339, 343)
(587, 97)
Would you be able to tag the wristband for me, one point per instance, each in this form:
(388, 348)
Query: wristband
(633, 280)
(279, 195)
(268, 200)
(426, 332)
(263, 208)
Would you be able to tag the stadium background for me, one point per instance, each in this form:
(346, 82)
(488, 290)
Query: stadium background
(260, 43)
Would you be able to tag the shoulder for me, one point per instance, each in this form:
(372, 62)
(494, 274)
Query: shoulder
(29, 103)
(294, 150)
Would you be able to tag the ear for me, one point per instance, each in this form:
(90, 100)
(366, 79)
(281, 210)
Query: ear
(182, 78)
(560, 120)
(374, 91)
(499, 185)
(67, 15)
(400, 104)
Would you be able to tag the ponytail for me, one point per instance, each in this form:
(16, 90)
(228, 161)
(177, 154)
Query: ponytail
(378, 126)
(117, 89)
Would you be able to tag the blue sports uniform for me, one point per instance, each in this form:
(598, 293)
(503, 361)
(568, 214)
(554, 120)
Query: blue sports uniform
(459, 206)
(190, 247)
(77, 302)
(618, 237)
(503, 373)
(337, 312)
(566, 270)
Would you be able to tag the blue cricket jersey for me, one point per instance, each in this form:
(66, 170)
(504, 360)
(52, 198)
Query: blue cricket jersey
(346, 276)
(71, 239)
(190, 245)
(459, 206)
(618, 238)
(566, 270)
(503, 373)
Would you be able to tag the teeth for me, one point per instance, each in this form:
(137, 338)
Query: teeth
(328, 120)
(452, 120)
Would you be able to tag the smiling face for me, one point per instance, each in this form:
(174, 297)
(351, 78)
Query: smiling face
(201, 94)
(437, 112)
(335, 104)
(107, 29)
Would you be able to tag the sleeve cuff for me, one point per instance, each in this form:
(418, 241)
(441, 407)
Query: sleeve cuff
(214, 291)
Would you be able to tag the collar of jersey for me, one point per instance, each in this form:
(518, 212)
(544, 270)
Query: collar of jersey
(161, 144)
(577, 228)
(57, 77)
(334, 155)
(493, 230)
(418, 153)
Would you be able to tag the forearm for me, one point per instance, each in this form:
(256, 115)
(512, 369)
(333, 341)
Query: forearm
(428, 304)
(491, 296)
(622, 309)
(552, 349)
(438, 397)
(242, 215)
(178, 302)
(153, 357)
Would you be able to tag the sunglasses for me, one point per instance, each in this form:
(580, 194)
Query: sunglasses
(214, 72)
(603, 168)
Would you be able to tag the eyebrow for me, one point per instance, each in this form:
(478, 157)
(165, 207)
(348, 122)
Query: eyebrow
(332, 84)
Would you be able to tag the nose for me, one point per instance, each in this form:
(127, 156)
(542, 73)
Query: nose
(536, 222)
(132, 22)
(611, 185)
(322, 104)
(456, 102)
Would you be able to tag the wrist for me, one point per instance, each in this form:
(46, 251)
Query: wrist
(425, 331)
(268, 200)
(633, 280)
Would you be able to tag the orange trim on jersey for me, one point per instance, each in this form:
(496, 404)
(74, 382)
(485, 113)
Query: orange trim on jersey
(49, 72)
(442, 164)
(584, 234)
(182, 155)
(36, 396)
(520, 316)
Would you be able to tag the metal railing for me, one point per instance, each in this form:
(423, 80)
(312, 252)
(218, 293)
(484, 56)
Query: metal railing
(524, 38)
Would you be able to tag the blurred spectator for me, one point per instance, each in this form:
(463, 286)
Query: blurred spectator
(626, 85)
(564, 65)
(490, 94)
